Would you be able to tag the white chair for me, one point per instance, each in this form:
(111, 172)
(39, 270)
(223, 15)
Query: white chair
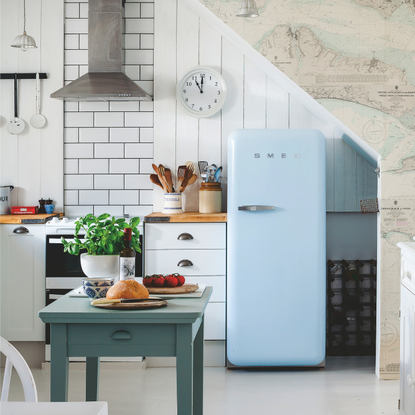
(14, 358)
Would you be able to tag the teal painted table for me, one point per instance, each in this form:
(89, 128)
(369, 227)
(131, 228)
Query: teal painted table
(79, 329)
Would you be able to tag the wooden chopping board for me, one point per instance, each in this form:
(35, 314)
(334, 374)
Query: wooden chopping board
(38, 218)
(133, 306)
(183, 289)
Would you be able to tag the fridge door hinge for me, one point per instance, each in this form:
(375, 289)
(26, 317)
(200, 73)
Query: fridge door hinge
(399, 404)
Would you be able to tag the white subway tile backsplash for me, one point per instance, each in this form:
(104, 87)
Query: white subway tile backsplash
(147, 106)
(70, 135)
(71, 73)
(76, 57)
(108, 148)
(146, 135)
(124, 197)
(76, 151)
(124, 105)
(83, 10)
(138, 119)
(70, 166)
(132, 10)
(131, 41)
(76, 26)
(78, 211)
(112, 210)
(108, 181)
(71, 41)
(79, 119)
(139, 26)
(137, 57)
(75, 181)
(83, 41)
(93, 135)
(124, 134)
(93, 197)
(147, 73)
(71, 106)
(146, 166)
(106, 151)
(93, 106)
(140, 211)
(147, 10)
(72, 10)
(146, 197)
(93, 166)
(71, 197)
(138, 181)
(124, 166)
(109, 119)
(139, 150)
(147, 41)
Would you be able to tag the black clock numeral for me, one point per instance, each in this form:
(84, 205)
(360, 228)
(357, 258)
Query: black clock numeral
(189, 84)
(186, 100)
(218, 92)
(216, 101)
(209, 107)
(200, 109)
(216, 83)
(193, 105)
(184, 91)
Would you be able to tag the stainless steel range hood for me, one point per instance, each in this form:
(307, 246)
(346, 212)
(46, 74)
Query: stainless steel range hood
(104, 81)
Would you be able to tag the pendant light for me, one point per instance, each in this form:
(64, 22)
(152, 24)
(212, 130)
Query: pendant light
(24, 41)
(247, 8)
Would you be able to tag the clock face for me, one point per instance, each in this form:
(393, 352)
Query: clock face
(201, 92)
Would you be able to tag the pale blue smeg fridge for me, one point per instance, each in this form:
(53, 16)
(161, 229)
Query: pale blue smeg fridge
(276, 248)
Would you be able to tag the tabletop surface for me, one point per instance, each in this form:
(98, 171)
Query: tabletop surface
(53, 408)
(79, 310)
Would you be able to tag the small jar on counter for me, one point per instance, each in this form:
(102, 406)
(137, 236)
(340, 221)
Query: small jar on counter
(210, 198)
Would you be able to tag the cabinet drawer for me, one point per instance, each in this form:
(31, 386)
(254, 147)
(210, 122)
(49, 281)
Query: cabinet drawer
(192, 235)
(215, 321)
(217, 282)
(407, 302)
(408, 274)
(203, 262)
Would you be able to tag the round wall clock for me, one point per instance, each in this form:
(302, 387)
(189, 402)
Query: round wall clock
(201, 91)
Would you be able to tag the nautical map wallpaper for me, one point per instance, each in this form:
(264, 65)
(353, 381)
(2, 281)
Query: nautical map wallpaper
(357, 59)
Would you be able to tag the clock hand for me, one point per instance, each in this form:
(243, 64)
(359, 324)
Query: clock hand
(197, 83)
(201, 82)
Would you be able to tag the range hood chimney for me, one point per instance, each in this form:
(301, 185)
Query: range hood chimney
(104, 81)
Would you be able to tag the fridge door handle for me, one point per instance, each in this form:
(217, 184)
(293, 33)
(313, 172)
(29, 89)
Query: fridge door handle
(253, 208)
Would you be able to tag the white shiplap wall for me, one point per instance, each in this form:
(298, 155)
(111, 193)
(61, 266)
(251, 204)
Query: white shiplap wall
(254, 101)
(108, 146)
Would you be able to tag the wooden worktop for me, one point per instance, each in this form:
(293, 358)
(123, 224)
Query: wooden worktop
(28, 219)
(186, 217)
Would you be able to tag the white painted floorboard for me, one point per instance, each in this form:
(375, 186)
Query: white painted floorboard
(347, 386)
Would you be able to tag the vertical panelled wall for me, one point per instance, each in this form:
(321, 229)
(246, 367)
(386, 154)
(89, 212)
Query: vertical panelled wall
(254, 101)
(108, 146)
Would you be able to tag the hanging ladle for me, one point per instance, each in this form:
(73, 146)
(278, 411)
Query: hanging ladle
(16, 125)
(38, 120)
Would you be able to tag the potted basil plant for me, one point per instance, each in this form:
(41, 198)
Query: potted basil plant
(103, 242)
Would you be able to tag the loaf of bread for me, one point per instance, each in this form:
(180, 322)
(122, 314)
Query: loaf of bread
(127, 289)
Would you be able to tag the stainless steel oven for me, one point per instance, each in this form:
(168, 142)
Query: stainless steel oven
(63, 271)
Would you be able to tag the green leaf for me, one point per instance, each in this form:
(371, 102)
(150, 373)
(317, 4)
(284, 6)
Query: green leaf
(104, 216)
(134, 222)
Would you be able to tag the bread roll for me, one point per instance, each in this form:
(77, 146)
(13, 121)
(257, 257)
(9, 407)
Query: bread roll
(127, 289)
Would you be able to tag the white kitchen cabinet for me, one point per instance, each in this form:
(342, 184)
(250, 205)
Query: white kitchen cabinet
(22, 281)
(198, 252)
(407, 329)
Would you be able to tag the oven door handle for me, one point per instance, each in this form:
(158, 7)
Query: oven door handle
(58, 241)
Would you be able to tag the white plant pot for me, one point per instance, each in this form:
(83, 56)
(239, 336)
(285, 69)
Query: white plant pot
(95, 266)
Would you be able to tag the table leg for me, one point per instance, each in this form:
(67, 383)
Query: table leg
(184, 369)
(92, 378)
(198, 367)
(59, 363)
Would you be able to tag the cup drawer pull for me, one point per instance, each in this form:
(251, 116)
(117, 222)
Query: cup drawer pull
(184, 236)
(122, 335)
(185, 263)
(20, 229)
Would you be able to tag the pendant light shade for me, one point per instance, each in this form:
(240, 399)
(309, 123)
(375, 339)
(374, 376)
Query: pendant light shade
(247, 8)
(24, 41)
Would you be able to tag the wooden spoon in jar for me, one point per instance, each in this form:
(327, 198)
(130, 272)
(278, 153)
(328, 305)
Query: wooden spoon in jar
(169, 181)
(155, 179)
